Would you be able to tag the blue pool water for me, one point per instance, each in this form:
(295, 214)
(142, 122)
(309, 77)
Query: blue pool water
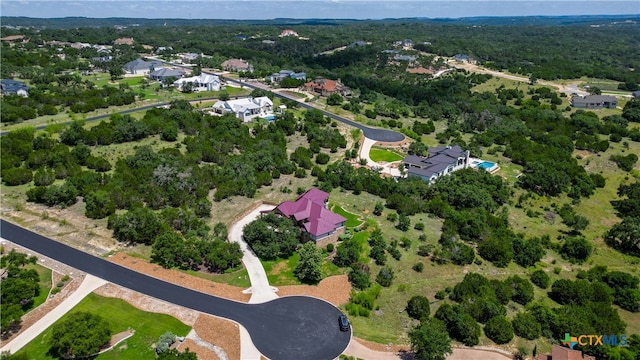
(270, 117)
(486, 165)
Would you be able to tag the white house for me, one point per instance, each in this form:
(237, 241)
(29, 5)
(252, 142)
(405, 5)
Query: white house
(246, 109)
(202, 82)
(442, 160)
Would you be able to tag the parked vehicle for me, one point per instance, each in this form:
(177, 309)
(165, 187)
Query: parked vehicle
(343, 322)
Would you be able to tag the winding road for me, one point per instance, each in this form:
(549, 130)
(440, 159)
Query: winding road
(293, 327)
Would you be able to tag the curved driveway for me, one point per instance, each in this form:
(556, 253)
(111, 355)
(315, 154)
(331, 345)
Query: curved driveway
(294, 327)
(371, 133)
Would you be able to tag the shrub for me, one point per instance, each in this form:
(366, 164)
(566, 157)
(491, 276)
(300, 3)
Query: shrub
(418, 267)
(499, 329)
(330, 248)
(441, 295)
(525, 325)
(576, 249)
(540, 279)
(385, 276)
(419, 226)
(418, 307)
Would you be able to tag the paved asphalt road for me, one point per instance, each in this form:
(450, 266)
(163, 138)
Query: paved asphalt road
(294, 327)
(371, 133)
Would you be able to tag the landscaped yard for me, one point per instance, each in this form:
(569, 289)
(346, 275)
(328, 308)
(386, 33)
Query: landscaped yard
(379, 154)
(44, 284)
(121, 316)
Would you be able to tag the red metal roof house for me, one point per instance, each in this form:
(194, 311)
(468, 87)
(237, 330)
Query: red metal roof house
(310, 211)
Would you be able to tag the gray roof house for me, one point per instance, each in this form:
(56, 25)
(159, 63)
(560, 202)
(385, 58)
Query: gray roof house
(594, 102)
(202, 82)
(442, 160)
(636, 94)
(137, 67)
(277, 77)
(246, 109)
(11, 87)
(165, 73)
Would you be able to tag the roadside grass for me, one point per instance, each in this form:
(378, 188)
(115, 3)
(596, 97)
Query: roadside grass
(379, 154)
(353, 220)
(602, 84)
(121, 316)
(294, 94)
(44, 285)
(239, 278)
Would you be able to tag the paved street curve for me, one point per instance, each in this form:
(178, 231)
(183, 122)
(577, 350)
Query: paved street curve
(371, 133)
(293, 327)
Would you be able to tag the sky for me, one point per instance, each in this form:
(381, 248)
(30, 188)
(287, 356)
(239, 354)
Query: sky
(304, 9)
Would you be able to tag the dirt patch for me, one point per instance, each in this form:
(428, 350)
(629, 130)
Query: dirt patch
(219, 332)
(334, 289)
(181, 279)
(201, 352)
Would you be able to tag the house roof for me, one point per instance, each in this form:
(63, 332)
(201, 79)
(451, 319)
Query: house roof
(12, 86)
(164, 72)
(309, 208)
(236, 64)
(322, 83)
(137, 64)
(200, 79)
(593, 99)
(240, 105)
(564, 353)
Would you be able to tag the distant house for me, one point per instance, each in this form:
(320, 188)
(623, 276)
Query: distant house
(237, 65)
(164, 73)
(594, 101)
(310, 212)
(137, 67)
(13, 87)
(288, 32)
(563, 353)
(268, 42)
(442, 160)
(123, 41)
(636, 94)
(202, 82)
(461, 57)
(326, 87)
(359, 43)
(409, 58)
(283, 74)
(246, 109)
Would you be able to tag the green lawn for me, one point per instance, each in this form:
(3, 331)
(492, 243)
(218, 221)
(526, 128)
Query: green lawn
(353, 220)
(121, 316)
(44, 284)
(378, 154)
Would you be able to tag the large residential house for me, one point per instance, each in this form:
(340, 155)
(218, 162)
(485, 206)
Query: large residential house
(141, 67)
(326, 87)
(310, 212)
(237, 65)
(283, 74)
(123, 41)
(202, 82)
(288, 32)
(442, 160)
(564, 353)
(13, 87)
(165, 73)
(594, 102)
(246, 109)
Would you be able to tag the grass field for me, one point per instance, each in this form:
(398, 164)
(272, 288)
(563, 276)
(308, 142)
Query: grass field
(44, 284)
(352, 219)
(379, 154)
(120, 316)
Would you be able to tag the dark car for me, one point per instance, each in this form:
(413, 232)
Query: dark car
(343, 322)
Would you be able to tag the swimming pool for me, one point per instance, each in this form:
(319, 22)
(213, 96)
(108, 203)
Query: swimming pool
(486, 165)
(270, 117)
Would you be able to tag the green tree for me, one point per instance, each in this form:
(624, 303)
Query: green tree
(309, 269)
(334, 99)
(385, 276)
(347, 253)
(576, 249)
(540, 279)
(403, 223)
(499, 329)
(418, 307)
(272, 236)
(174, 354)
(430, 340)
(80, 334)
(98, 205)
(378, 209)
(525, 325)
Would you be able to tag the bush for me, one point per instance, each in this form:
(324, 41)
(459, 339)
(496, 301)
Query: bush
(499, 329)
(576, 249)
(526, 326)
(441, 295)
(418, 267)
(418, 307)
(385, 276)
(419, 226)
(540, 279)
(330, 248)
